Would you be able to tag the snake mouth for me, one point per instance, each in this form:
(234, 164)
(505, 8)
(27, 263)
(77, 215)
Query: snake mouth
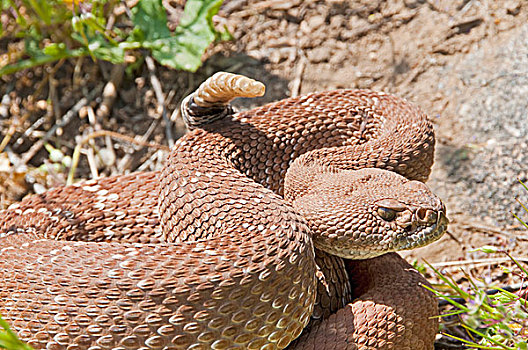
(422, 235)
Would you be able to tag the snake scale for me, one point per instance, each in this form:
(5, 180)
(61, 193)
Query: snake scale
(262, 223)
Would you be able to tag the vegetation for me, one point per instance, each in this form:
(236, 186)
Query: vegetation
(43, 31)
(492, 317)
(8, 338)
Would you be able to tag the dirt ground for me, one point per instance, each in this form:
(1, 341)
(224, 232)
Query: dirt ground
(406, 47)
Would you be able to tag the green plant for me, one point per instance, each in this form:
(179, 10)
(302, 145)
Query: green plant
(43, 31)
(9, 340)
(492, 317)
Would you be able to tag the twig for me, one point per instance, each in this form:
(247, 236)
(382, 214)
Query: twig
(234, 5)
(447, 343)
(149, 161)
(77, 71)
(91, 163)
(52, 96)
(78, 147)
(483, 227)
(275, 5)
(34, 126)
(11, 131)
(44, 80)
(41, 120)
(434, 7)
(452, 236)
(111, 21)
(476, 261)
(477, 226)
(296, 83)
(90, 153)
(156, 85)
(92, 119)
(111, 153)
(59, 124)
(125, 161)
(110, 91)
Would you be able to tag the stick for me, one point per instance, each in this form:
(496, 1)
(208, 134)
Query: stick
(296, 83)
(77, 151)
(62, 122)
(110, 91)
(477, 261)
(7, 137)
(92, 119)
(125, 161)
(156, 85)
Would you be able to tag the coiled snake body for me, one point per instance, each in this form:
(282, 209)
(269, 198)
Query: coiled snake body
(208, 254)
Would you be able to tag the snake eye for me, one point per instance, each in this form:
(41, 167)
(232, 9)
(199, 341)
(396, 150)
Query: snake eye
(386, 213)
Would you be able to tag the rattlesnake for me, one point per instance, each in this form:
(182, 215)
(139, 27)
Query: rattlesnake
(208, 254)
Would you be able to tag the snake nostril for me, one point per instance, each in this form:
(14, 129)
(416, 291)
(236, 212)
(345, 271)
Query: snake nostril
(427, 216)
(421, 214)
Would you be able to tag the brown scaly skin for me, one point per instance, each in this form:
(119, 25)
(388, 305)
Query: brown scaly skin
(233, 263)
(391, 310)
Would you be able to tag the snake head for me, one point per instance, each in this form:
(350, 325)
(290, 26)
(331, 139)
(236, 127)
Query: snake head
(358, 214)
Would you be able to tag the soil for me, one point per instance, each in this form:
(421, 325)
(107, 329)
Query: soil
(463, 61)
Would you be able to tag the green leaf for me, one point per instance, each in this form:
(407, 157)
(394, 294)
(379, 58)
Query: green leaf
(489, 249)
(55, 155)
(485, 336)
(55, 49)
(8, 338)
(420, 267)
(226, 35)
(31, 46)
(113, 54)
(181, 49)
(99, 48)
(185, 48)
(150, 19)
(42, 9)
(39, 60)
(173, 53)
(196, 34)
